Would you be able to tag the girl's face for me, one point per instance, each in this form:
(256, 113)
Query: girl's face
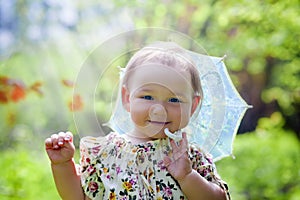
(159, 97)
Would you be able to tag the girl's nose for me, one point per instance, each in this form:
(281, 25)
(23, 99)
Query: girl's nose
(157, 110)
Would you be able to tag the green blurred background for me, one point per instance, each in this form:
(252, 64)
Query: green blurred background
(43, 45)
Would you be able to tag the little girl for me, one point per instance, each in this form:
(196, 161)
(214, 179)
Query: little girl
(161, 90)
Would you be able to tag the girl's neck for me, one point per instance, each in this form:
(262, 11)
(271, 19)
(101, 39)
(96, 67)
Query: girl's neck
(136, 139)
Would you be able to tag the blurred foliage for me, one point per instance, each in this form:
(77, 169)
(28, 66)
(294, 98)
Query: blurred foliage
(266, 164)
(25, 175)
(43, 46)
(44, 96)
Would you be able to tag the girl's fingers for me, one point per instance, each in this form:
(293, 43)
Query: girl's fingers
(68, 137)
(59, 140)
(176, 147)
(184, 141)
(185, 144)
(48, 143)
(181, 144)
(167, 161)
(54, 139)
(179, 148)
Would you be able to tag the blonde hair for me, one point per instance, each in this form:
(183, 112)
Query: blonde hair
(168, 54)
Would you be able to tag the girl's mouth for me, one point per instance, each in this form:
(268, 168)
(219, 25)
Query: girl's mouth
(158, 122)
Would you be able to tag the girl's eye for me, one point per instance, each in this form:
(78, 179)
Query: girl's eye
(147, 97)
(174, 100)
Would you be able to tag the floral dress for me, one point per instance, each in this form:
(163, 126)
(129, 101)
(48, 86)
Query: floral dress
(114, 168)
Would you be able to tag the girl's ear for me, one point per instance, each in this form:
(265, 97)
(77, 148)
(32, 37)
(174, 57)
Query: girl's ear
(195, 104)
(125, 98)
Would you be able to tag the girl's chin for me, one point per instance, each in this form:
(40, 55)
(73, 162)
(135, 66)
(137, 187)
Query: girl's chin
(159, 136)
(151, 135)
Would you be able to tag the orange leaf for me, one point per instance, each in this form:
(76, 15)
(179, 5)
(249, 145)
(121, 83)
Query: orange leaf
(36, 84)
(36, 87)
(68, 83)
(4, 80)
(17, 93)
(76, 104)
(3, 97)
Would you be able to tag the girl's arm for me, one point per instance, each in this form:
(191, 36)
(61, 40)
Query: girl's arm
(67, 180)
(60, 150)
(192, 184)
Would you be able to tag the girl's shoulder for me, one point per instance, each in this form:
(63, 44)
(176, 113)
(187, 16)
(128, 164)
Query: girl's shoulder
(92, 148)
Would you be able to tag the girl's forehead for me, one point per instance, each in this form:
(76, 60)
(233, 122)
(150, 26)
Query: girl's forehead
(173, 78)
(157, 69)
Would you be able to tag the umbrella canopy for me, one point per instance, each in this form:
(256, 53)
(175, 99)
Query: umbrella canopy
(214, 126)
(222, 108)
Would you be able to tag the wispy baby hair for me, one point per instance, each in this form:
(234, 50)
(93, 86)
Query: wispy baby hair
(168, 54)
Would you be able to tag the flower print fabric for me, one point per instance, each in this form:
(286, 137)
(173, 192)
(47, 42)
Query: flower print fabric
(114, 168)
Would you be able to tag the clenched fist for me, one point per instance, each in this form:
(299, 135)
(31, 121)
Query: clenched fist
(60, 147)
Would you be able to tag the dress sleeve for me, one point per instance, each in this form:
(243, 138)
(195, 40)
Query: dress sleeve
(89, 168)
(205, 166)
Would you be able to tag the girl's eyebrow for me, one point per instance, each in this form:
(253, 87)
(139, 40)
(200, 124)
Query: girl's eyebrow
(180, 95)
(144, 90)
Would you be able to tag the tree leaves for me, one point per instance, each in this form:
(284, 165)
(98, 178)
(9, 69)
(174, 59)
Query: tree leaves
(14, 90)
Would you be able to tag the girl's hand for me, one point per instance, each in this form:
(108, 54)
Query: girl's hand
(60, 147)
(179, 165)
